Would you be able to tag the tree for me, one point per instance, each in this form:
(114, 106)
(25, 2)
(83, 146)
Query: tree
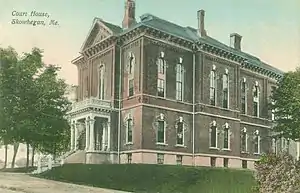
(34, 101)
(286, 106)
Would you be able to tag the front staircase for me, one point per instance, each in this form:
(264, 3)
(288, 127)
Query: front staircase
(76, 157)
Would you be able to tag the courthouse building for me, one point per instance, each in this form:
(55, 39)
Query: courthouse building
(153, 91)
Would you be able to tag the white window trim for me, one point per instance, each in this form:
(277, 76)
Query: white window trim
(213, 124)
(214, 80)
(180, 120)
(127, 129)
(182, 79)
(273, 112)
(256, 133)
(161, 117)
(246, 94)
(256, 99)
(163, 76)
(226, 126)
(244, 131)
(228, 80)
(130, 54)
(101, 70)
(274, 145)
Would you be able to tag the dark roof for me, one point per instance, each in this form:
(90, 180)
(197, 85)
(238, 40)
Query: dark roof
(190, 34)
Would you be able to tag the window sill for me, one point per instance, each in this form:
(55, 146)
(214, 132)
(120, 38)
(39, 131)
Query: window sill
(226, 149)
(128, 143)
(244, 152)
(162, 144)
(160, 97)
(256, 153)
(214, 148)
(178, 145)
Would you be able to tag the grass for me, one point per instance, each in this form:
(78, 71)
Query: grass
(144, 178)
(19, 170)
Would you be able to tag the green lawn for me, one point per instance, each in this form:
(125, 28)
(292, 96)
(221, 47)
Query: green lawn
(155, 178)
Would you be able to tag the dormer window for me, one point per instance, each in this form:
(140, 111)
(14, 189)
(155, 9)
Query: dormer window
(256, 96)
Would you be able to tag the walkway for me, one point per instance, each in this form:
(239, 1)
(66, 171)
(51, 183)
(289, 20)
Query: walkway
(22, 183)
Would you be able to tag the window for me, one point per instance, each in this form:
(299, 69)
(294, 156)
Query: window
(274, 146)
(225, 89)
(244, 164)
(160, 158)
(131, 88)
(101, 82)
(244, 139)
(273, 112)
(213, 84)
(129, 158)
(179, 80)
(213, 161)
(129, 130)
(225, 162)
(244, 97)
(256, 100)
(213, 135)
(226, 136)
(161, 130)
(161, 87)
(179, 159)
(161, 64)
(256, 142)
(180, 132)
(131, 63)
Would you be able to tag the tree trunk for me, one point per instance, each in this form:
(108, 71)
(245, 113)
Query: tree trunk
(27, 155)
(5, 156)
(16, 147)
(32, 156)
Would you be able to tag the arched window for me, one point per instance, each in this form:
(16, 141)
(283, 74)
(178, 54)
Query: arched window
(129, 129)
(213, 84)
(244, 140)
(161, 75)
(161, 129)
(226, 143)
(131, 65)
(256, 96)
(244, 96)
(180, 128)
(101, 85)
(226, 89)
(256, 142)
(213, 135)
(179, 80)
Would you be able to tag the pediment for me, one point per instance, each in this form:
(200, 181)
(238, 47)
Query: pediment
(97, 33)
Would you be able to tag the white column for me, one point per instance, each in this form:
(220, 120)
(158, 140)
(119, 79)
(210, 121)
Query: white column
(72, 137)
(87, 134)
(108, 135)
(92, 137)
(76, 136)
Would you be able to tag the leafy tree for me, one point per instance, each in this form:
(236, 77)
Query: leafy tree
(34, 101)
(286, 106)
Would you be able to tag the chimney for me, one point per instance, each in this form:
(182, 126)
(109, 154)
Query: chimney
(235, 41)
(129, 15)
(201, 29)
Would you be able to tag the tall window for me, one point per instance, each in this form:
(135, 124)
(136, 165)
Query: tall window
(213, 84)
(213, 135)
(180, 132)
(161, 75)
(244, 140)
(161, 130)
(131, 64)
(131, 87)
(273, 112)
(226, 137)
(274, 145)
(256, 100)
(129, 128)
(225, 89)
(256, 142)
(101, 82)
(244, 97)
(179, 80)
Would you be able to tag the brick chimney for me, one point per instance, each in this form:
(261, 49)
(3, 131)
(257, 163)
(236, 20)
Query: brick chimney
(129, 15)
(235, 41)
(201, 27)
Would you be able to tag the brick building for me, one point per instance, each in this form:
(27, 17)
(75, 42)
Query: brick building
(156, 92)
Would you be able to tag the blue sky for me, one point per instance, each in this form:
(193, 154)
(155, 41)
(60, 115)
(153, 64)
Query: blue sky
(270, 28)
